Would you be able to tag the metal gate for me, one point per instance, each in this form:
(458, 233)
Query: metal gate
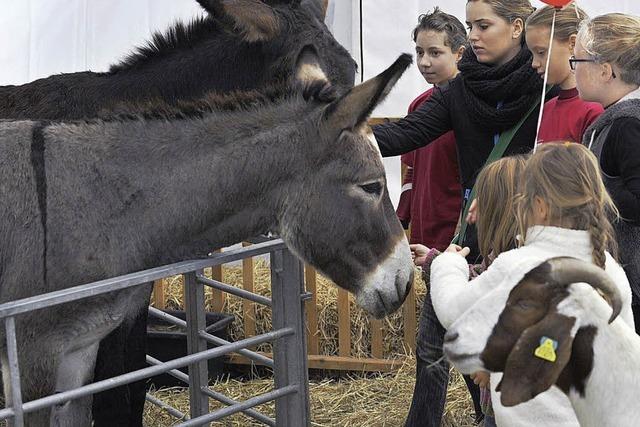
(291, 391)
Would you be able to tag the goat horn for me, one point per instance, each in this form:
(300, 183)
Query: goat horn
(567, 270)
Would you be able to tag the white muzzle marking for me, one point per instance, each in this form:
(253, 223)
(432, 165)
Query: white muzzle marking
(384, 290)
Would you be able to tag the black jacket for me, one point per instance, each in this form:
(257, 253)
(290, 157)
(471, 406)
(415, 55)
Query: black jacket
(445, 110)
(615, 140)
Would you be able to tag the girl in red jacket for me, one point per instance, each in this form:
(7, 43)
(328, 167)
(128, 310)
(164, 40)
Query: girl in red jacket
(567, 116)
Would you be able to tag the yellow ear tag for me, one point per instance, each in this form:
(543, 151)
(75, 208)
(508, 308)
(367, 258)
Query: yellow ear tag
(547, 349)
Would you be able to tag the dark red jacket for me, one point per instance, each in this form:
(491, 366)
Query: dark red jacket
(432, 194)
(566, 117)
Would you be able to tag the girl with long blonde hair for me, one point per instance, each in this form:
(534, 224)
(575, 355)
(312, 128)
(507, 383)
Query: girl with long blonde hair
(497, 185)
(563, 209)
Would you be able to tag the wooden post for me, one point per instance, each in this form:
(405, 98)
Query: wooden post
(409, 316)
(159, 296)
(377, 348)
(217, 296)
(311, 282)
(248, 307)
(344, 324)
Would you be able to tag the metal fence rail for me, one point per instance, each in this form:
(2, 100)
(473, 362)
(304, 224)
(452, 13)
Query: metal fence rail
(291, 393)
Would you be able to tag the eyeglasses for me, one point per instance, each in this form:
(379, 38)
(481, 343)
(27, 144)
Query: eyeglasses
(573, 60)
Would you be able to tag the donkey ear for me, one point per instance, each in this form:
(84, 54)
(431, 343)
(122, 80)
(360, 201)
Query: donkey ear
(256, 20)
(355, 106)
(317, 7)
(537, 359)
(310, 76)
(213, 7)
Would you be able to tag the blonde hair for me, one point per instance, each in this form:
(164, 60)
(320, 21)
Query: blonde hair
(614, 38)
(497, 186)
(510, 10)
(567, 177)
(568, 20)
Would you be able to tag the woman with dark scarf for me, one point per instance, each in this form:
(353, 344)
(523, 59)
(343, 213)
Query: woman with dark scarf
(494, 91)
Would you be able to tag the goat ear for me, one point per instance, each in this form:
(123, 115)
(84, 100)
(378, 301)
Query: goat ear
(255, 20)
(353, 108)
(537, 359)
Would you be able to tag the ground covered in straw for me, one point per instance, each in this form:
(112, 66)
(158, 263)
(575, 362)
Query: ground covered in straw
(374, 400)
(346, 400)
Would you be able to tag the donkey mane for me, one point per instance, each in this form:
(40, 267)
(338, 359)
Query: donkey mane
(179, 36)
(216, 102)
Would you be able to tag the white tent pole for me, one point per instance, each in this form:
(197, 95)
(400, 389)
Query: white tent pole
(546, 77)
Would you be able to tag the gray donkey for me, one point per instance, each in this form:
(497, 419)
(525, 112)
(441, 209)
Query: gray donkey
(88, 200)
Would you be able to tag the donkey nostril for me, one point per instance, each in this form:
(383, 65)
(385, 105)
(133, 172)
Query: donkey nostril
(403, 287)
(450, 336)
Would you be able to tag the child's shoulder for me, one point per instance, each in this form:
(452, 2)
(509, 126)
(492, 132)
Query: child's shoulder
(518, 261)
(515, 255)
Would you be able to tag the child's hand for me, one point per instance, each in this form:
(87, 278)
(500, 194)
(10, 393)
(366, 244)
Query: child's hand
(472, 215)
(481, 378)
(463, 252)
(419, 254)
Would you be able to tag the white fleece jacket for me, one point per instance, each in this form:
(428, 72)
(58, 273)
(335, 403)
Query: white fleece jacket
(453, 293)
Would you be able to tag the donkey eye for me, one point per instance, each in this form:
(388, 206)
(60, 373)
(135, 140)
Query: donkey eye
(374, 188)
(524, 304)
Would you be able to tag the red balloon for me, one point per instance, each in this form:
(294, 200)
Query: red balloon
(557, 3)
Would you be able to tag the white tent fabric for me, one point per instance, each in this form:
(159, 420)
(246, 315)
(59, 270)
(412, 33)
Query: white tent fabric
(43, 37)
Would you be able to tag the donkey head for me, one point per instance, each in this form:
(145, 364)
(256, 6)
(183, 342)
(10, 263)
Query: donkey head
(277, 31)
(336, 213)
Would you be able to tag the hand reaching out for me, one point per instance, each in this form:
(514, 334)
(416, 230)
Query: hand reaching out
(481, 378)
(419, 254)
(463, 252)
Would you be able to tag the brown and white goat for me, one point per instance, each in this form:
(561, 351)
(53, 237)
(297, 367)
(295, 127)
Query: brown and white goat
(554, 328)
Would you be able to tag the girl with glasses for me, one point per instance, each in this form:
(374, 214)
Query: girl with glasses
(607, 71)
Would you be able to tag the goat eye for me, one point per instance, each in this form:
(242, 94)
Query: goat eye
(374, 188)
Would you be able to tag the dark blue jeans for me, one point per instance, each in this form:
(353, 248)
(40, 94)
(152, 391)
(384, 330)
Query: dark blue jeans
(432, 373)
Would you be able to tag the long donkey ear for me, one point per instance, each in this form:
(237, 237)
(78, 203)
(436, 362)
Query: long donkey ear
(213, 7)
(537, 359)
(256, 20)
(355, 106)
(317, 7)
(310, 76)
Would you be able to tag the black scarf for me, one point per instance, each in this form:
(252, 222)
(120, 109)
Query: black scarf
(515, 84)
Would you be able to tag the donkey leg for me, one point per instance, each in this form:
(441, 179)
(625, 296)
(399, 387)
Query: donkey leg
(74, 370)
(122, 351)
(39, 384)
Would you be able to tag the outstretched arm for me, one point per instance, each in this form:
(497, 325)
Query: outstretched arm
(417, 129)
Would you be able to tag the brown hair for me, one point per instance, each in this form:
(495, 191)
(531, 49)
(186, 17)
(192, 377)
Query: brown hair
(614, 38)
(497, 186)
(510, 10)
(568, 20)
(567, 177)
(455, 33)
